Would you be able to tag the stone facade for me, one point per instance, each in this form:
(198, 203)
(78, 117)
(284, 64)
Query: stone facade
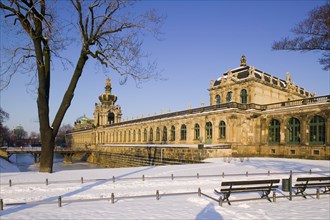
(253, 112)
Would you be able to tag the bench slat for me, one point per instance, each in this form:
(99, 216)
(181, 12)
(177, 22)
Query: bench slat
(321, 178)
(312, 184)
(248, 189)
(250, 182)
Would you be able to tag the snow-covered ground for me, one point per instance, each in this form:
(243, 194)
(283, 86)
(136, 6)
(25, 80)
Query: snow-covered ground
(98, 183)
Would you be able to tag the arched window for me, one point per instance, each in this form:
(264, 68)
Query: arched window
(121, 137)
(183, 132)
(157, 134)
(197, 132)
(228, 97)
(111, 118)
(172, 133)
(244, 96)
(129, 136)
(139, 135)
(217, 99)
(317, 131)
(124, 136)
(151, 134)
(208, 133)
(145, 135)
(134, 136)
(274, 132)
(222, 130)
(164, 133)
(293, 131)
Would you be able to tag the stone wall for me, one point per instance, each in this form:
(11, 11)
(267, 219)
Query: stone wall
(287, 151)
(122, 156)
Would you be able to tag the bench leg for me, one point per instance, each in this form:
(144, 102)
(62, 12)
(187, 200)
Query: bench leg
(301, 191)
(326, 189)
(226, 198)
(266, 194)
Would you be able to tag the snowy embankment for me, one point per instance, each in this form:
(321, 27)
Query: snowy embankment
(98, 183)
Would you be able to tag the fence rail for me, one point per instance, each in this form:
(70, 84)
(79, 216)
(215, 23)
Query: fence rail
(170, 177)
(157, 195)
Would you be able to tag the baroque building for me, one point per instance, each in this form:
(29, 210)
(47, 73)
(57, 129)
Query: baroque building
(251, 112)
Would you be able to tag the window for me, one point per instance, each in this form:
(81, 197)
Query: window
(134, 136)
(208, 131)
(217, 99)
(228, 97)
(183, 132)
(139, 135)
(145, 135)
(197, 132)
(172, 133)
(124, 136)
(164, 133)
(222, 130)
(151, 135)
(157, 134)
(274, 131)
(129, 136)
(317, 131)
(244, 96)
(121, 137)
(293, 131)
(111, 118)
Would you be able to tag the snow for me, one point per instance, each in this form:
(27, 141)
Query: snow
(98, 183)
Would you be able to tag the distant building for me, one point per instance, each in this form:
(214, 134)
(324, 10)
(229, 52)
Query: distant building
(253, 112)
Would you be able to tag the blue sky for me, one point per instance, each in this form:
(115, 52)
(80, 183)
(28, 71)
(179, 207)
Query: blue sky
(201, 41)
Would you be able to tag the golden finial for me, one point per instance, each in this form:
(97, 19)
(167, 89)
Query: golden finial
(107, 82)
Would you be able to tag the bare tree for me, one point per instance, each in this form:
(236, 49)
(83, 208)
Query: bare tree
(60, 138)
(108, 31)
(4, 130)
(312, 34)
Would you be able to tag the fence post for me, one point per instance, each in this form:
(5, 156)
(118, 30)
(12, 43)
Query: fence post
(268, 173)
(1, 204)
(113, 179)
(199, 192)
(223, 174)
(220, 201)
(274, 196)
(112, 198)
(157, 194)
(197, 175)
(317, 193)
(59, 201)
(82, 180)
(10, 183)
(310, 171)
(290, 186)
(46, 181)
(247, 173)
(172, 177)
(143, 177)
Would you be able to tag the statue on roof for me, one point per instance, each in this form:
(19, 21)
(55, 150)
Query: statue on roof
(243, 60)
(288, 77)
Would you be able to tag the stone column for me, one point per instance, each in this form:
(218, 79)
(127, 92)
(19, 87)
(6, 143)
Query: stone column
(303, 131)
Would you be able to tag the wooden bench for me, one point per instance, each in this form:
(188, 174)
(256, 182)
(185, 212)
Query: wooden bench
(264, 186)
(312, 182)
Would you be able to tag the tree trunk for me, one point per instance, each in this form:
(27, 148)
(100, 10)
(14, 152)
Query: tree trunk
(47, 151)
